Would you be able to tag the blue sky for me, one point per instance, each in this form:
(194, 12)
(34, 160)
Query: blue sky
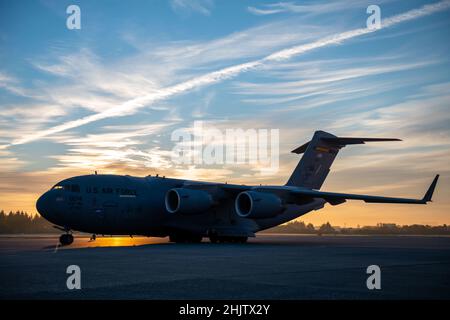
(394, 82)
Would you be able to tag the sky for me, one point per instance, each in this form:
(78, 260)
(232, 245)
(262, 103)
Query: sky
(108, 96)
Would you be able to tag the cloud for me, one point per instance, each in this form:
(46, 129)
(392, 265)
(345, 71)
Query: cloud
(422, 118)
(316, 8)
(187, 6)
(34, 113)
(9, 163)
(132, 105)
(10, 84)
(325, 78)
(183, 56)
(127, 145)
(81, 81)
(261, 12)
(340, 37)
(88, 83)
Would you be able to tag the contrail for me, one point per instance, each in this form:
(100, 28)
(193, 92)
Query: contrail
(131, 106)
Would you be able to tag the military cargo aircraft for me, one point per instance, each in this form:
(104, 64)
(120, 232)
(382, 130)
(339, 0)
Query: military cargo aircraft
(188, 211)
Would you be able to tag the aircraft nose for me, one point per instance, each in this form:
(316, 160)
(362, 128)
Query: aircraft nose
(42, 205)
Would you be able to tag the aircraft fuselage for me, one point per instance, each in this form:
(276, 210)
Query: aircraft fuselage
(126, 205)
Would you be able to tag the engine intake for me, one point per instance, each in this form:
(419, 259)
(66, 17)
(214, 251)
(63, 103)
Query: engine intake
(258, 205)
(187, 201)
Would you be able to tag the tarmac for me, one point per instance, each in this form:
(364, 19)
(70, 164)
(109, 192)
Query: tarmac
(270, 266)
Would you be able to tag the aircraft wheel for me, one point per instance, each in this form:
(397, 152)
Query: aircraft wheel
(66, 239)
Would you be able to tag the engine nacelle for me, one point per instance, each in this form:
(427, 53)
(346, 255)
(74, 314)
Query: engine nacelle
(188, 201)
(258, 205)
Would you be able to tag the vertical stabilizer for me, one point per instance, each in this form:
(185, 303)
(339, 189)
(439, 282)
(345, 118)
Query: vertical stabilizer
(318, 156)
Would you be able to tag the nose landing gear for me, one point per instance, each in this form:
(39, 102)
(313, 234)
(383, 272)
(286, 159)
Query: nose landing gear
(66, 239)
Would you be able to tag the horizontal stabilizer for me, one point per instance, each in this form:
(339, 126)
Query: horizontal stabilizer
(301, 149)
(340, 142)
(344, 141)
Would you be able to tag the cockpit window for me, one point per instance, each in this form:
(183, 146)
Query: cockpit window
(67, 187)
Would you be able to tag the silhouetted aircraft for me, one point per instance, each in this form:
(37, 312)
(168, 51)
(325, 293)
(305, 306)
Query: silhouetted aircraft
(187, 210)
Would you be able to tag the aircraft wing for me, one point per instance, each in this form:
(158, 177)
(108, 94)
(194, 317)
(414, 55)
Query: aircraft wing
(333, 198)
(337, 198)
(232, 189)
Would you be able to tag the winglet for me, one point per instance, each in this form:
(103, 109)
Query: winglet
(429, 193)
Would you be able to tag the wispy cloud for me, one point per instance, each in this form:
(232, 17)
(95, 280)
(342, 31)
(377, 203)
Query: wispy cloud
(11, 84)
(310, 8)
(132, 105)
(320, 78)
(244, 44)
(200, 6)
(127, 145)
(8, 162)
(421, 119)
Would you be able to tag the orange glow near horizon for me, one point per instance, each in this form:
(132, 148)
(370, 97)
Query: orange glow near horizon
(116, 241)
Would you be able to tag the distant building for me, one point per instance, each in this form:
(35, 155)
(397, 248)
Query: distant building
(387, 225)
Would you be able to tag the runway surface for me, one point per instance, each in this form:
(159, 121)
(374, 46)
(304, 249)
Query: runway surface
(268, 267)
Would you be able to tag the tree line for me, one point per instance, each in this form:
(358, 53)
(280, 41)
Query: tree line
(22, 222)
(299, 227)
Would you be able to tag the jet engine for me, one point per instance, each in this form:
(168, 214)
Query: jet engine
(188, 201)
(258, 205)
